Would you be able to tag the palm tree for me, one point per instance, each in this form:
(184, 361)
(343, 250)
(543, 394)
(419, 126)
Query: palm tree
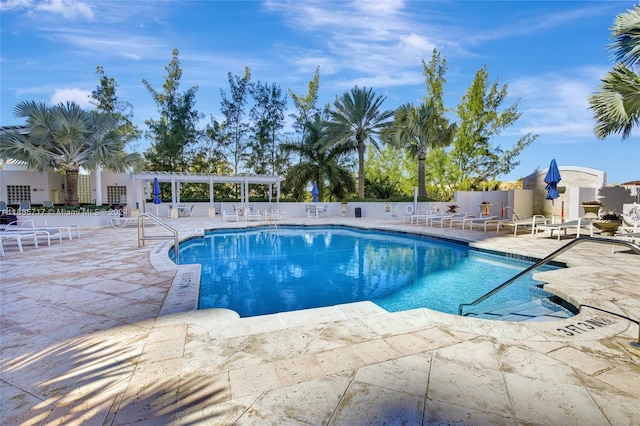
(321, 165)
(418, 129)
(616, 108)
(356, 121)
(66, 138)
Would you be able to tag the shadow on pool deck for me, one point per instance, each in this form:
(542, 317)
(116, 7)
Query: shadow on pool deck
(84, 341)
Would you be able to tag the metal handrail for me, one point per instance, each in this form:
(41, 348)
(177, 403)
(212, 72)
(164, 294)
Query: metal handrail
(570, 244)
(142, 237)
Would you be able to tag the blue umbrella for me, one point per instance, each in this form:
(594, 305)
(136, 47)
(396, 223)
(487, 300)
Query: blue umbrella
(314, 192)
(551, 179)
(156, 194)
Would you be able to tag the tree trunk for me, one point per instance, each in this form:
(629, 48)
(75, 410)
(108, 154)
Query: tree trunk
(360, 169)
(72, 188)
(422, 188)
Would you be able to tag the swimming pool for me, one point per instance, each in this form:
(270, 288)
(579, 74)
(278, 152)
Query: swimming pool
(260, 271)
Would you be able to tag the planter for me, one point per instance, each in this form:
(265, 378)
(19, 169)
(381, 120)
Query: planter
(608, 227)
(590, 211)
(485, 209)
(343, 210)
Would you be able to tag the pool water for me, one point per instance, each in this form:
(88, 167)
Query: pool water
(262, 271)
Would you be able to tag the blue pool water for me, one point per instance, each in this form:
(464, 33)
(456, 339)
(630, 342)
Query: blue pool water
(262, 271)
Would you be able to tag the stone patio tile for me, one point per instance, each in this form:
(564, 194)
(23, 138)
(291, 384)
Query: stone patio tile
(538, 366)
(317, 398)
(444, 413)
(551, 403)
(618, 409)
(580, 360)
(475, 388)
(338, 360)
(298, 369)
(409, 374)
(253, 379)
(407, 344)
(375, 351)
(366, 405)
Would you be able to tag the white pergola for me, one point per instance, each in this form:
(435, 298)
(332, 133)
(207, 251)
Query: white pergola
(142, 180)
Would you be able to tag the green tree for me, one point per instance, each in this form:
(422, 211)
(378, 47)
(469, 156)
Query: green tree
(473, 159)
(267, 115)
(66, 138)
(106, 100)
(356, 121)
(418, 129)
(325, 166)
(616, 107)
(233, 109)
(306, 105)
(389, 173)
(177, 128)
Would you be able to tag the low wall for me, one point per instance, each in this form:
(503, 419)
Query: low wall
(84, 220)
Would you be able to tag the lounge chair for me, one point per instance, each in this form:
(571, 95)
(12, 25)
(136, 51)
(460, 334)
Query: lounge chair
(573, 224)
(461, 220)
(442, 218)
(121, 222)
(482, 220)
(186, 211)
(312, 211)
(252, 215)
(515, 222)
(227, 216)
(41, 224)
(322, 211)
(17, 237)
(632, 237)
(15, 229)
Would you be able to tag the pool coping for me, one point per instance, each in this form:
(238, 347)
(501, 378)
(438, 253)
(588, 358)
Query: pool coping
(183, 295)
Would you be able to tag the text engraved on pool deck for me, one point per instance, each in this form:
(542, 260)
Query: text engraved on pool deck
(185, 284)
(586, 326)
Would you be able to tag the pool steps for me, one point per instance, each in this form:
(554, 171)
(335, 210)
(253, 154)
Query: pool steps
(534, 310)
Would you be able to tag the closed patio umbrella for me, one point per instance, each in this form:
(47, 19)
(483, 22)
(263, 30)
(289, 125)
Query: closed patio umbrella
(314, 192)
(551, 179)
(156, 194)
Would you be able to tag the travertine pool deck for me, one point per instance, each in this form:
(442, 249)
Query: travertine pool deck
(93, 334)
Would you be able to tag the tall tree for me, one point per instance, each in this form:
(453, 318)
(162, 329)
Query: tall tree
(325, 166)
(616, 107)
(176, 130)
(417, 129)
(233, 108)
(65, 138)
(473, 159)
(267, 116)
(306, 105)
(358, 120)
(106, 100)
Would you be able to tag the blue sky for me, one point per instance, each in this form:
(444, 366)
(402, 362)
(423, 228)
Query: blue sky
(552, 55)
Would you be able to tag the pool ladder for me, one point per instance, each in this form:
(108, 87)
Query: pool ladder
(634, 247)
(142, 237)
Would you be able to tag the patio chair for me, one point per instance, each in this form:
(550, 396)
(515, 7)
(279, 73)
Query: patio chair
(25, 206)
(322, 211)
(17, 237)
(186, 211)
(42, 225)
(573, 224)
(47, 204)
(227, 216)
(461, 220)
(312, 211)
(482, 221)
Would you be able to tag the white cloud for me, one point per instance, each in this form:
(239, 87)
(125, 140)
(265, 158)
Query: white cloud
(69, 9)
(80, 97)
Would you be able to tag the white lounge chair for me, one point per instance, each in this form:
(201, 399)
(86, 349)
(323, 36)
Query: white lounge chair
(461, 220)
(41, 224)
(186, 211)
(442, 218)
(312, 211)
(481, 221)
(532, 222)
(322, 211)
(573, 224)
(227, 216)
(17, 237)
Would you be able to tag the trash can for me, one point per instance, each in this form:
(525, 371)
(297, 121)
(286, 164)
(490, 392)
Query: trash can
(358, 212)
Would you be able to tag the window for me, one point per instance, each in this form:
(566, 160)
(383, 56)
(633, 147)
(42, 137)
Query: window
(17, 193)
(116, 195)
